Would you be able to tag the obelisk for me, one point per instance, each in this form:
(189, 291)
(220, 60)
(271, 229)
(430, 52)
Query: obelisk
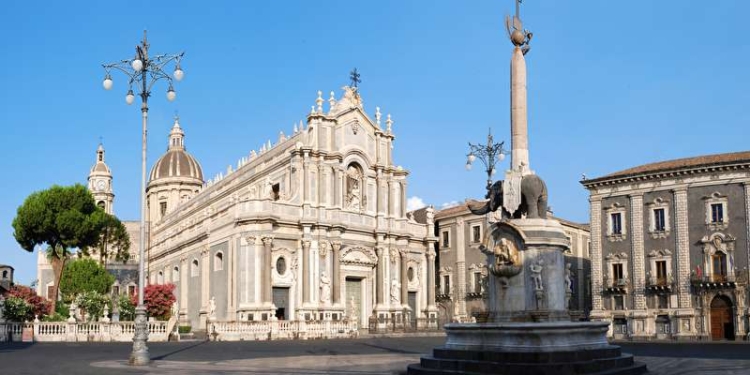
(518, 113)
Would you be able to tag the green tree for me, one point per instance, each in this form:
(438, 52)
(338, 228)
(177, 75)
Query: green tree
(84, 275)
(63, 218)
(114, 241)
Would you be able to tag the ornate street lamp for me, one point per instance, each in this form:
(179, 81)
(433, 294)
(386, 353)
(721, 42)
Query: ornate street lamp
(142, 72)
(490, 154)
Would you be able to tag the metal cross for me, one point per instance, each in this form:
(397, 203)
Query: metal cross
(518, 8)
(354, 76)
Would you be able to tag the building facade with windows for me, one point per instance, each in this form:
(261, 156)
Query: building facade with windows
(462, 267)
(669, 245)
(310, 227)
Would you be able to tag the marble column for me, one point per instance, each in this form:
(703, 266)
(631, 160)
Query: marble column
(306, 271)
(267, 282)
(380, 292)
(338, 194)
(205, 284)
(404, 277)
(336, 274)
(305, 178)
(184, 269)
(430, 278)
(460, 283)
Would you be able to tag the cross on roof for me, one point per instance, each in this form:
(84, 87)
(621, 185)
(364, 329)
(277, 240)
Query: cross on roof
(354, 76)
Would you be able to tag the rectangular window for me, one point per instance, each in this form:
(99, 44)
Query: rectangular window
(659, 223)
(661, 272)
(163, 208)
(477, 282)
(446, 240)
(476, 233)
(50, 291)
(663, 301)
(617, 223)
(131, 290)
(275, 191)
(446, 284)
(115, 290)
(619, 303)
(717, 213)
(617, 274)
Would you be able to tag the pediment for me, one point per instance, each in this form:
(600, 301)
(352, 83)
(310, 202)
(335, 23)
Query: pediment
(359, 256)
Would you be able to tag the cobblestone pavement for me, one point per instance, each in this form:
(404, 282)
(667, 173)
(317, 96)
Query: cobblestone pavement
(368, 356)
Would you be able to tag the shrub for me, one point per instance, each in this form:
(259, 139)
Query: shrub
(84, 275)
(37, 305)
(92, 303)
(158, 300)
(184, 329)
(127, 309)
(15, 309)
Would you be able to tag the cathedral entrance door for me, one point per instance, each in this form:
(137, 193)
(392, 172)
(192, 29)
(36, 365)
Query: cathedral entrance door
(354, 299)
(413, 306)
(722, 324)
(281, 300)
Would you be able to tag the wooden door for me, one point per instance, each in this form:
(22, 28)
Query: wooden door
(722, 324)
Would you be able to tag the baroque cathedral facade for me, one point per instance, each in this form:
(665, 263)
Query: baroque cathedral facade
(312, 227)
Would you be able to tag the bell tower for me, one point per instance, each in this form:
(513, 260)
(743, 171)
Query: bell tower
(100, 182)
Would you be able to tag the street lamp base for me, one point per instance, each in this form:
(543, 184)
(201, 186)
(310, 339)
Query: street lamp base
(140, 356)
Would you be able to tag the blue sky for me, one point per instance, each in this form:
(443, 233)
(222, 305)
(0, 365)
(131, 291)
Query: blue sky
(612, 84)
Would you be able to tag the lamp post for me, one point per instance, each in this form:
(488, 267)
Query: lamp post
(142, 72)
(490, 154)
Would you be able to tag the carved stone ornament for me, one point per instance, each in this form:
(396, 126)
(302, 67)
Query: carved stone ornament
(250, 240)
(267, 240)
(505, 257)
(355, 126)
(323, 249)
(359, 256)
(393, 255)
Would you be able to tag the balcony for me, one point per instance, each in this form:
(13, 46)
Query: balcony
(474, 291)
(660, 284)
(618, 286)
(717, 280)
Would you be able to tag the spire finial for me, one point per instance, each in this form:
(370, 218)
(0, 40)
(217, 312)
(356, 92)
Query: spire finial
(331, 101)
(388, 123)
(319, 101)
(377, 116)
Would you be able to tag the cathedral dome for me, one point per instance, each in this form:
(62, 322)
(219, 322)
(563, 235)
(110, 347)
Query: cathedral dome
(177, 162)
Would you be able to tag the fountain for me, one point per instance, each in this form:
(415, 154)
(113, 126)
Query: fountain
(529, 328)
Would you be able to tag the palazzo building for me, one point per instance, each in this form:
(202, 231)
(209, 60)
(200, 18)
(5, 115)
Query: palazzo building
(669, 248)
(313, 226)
(462, 267)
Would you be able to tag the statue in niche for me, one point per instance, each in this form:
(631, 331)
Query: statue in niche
(325, 287)
(536, 274)
(395, 291)
(353, 195)
(568, 281)
(212, 308)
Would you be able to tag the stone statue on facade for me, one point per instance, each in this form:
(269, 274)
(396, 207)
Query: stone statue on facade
(325, 288)
(212, 308)
(568, 281)
(395, 291)
(353, 196)
(536, 274)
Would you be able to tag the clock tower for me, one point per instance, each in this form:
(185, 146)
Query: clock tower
(100, 182)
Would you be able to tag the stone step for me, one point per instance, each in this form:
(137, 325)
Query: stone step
(532, 357)
(485, 367)
(634, 369)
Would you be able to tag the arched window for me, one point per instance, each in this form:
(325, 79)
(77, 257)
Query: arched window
(218, 261)
(194, 268)
(100, 204)
(175, 274)
(5, 274)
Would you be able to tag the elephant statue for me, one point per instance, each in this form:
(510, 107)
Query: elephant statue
(533, 199)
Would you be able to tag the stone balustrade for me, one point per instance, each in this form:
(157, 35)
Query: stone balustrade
(81, 331)
(282, 330)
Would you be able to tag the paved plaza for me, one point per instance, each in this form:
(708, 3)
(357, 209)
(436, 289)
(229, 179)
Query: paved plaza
(366, 356)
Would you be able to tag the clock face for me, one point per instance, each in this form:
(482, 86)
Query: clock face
(100, 185)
